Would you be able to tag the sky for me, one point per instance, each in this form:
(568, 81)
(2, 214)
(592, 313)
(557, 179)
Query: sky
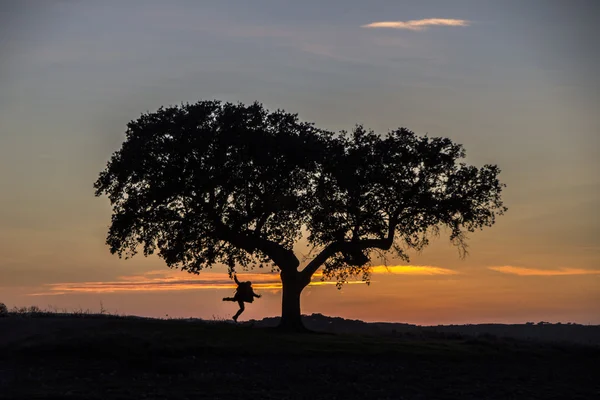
(515, 82)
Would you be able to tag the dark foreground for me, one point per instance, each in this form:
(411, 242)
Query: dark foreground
(116, 358)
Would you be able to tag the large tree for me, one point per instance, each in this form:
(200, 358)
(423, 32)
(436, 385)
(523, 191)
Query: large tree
(220, 183)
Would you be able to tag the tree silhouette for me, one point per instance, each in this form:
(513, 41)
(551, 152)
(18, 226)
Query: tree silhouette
(221, 183)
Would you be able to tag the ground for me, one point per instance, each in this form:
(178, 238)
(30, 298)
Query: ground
(127, 358)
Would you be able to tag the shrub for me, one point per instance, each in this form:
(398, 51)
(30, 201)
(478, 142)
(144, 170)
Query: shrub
(34, 310)
(3, 310)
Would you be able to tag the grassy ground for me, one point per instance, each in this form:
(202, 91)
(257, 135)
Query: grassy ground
(50, 357)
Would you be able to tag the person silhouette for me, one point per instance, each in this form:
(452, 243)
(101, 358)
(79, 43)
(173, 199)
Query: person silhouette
(243, 294)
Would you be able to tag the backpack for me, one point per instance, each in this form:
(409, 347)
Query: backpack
(244, 292)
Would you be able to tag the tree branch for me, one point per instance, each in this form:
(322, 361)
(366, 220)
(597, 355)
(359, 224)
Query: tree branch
(320, 259)
(261, 222)
(346, 246)
(282, 257)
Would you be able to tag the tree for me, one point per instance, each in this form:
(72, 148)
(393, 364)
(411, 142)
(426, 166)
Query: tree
(221, 183)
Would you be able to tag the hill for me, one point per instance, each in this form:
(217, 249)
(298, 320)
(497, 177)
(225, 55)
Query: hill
(542, 331)
(106, 357)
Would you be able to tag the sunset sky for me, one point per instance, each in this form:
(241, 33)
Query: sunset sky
(514, 81)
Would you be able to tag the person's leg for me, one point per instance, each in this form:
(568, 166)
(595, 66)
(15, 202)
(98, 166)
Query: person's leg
(240, 311)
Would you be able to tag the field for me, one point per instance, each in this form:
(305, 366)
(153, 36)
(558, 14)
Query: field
(108, 357)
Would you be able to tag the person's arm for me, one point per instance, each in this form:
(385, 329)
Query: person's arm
(256, 295)
(236, 279)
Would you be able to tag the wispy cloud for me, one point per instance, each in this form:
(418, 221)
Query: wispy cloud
(522, 271)
(174, 280)
(158, 281)
(418, 24)
(412, 270)
(168, 280)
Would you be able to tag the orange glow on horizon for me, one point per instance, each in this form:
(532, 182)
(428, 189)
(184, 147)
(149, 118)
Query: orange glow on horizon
(175, 280)
(521, 271)
(412, 270)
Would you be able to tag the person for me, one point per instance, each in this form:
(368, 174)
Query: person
(243, 294)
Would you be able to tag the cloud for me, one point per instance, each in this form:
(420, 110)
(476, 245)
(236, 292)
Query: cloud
(412, 270)
(521, 271)
(418, 24)
(168, 280)
(403, 270)
(175, 280)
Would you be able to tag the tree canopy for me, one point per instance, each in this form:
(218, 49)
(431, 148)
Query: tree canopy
(220, 183)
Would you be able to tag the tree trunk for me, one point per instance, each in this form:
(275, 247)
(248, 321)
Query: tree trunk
(291, 317)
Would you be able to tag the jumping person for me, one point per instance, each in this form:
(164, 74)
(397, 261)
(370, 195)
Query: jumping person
(243, 293)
